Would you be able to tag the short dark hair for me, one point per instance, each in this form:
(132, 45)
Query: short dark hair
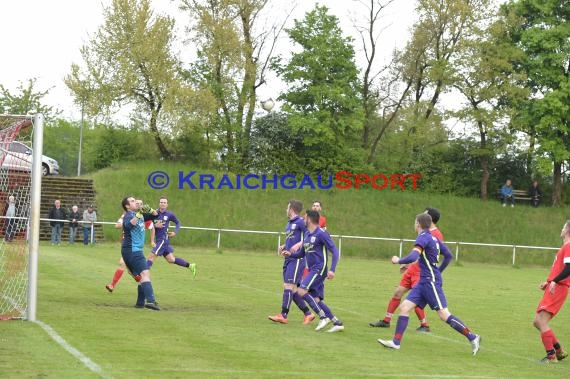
(424, 220)
(296, 206)
(318, 201)
(313, 216)
(434, 213)
(125, 202)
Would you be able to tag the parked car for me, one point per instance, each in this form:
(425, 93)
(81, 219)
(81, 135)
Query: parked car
(18, 156)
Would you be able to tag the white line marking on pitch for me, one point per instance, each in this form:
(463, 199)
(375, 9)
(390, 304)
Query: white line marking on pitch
(73, 351)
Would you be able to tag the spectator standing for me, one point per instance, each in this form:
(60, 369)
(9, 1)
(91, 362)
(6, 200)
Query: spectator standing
(507, 195)
(10, 221)
(56, 213)
(74, 218)
(89, 218)
(535, 194)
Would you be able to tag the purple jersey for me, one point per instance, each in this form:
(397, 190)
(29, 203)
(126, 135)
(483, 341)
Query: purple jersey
(315, 248)
(431, 247)
(294, 231)
(166, 217)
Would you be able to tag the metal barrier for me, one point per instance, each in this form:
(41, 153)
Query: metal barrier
(341, 237)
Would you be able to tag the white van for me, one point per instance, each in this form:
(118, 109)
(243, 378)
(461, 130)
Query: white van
(18, 157)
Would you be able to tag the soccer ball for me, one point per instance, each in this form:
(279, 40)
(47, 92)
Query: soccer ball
(267, 105)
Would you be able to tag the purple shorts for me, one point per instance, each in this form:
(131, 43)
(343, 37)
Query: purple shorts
(314, 283)
(292, 270)
(428, 293)
(162, 248)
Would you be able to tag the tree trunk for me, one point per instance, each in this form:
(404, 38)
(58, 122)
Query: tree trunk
(154, 131)
(557, 184)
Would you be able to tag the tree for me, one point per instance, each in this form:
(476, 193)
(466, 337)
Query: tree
(369, 36)
(539, 29)
(26, 100)
(323, 97)
(130, 62)
(232, 61)
(482, 74)
(422, 71)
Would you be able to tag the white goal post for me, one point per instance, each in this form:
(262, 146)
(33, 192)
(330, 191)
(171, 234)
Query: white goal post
(20, 199)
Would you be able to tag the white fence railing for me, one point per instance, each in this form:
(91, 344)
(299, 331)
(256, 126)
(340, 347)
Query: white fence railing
(340, 239)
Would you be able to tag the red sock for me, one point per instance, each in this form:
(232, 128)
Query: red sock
(117, 276)
(421, 316)
(392, 306)
(548, 340)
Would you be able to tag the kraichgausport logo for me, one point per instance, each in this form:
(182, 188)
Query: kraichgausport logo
(341, 180)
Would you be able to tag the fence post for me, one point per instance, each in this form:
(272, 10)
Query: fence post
(456, 251)
(514, 253)
(219, 237)
(401, 247)
(278, 241)
(92, 233)
(339, 244)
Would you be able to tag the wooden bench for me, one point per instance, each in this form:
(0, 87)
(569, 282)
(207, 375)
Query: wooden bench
(520, 195)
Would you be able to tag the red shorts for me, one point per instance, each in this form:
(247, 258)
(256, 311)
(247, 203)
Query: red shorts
(553, 303)
(411, 277)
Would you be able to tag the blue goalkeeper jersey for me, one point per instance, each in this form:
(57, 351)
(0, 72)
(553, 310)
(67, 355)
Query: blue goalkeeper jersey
(134, 234)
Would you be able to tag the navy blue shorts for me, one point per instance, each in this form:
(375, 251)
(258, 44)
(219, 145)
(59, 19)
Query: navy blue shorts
(428, 293)
(135, 261)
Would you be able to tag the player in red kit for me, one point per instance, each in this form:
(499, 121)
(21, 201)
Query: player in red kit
(555, 292)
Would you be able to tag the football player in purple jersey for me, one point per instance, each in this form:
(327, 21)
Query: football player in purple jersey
(293, 267)
(429, 290)
(162, 237)
(316, 245)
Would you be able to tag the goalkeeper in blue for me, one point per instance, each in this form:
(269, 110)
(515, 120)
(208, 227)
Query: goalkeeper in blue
(162, 238)
(316, 245)
(429, 290)
(132, 249)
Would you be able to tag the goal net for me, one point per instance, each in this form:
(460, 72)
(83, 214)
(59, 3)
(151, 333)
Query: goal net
(15, 204)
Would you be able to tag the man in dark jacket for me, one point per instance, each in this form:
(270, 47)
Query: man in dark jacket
(74, 218)
(56, 213)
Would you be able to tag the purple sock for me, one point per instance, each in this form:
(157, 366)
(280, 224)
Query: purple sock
(326, 309)
(400, 329)
(313, 304)
(298, 299)
(181, 262)
(286, 303)
(149, 263)
(458, 325)
(148, 292)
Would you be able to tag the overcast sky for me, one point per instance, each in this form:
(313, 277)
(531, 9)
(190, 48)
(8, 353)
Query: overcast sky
(41, 38)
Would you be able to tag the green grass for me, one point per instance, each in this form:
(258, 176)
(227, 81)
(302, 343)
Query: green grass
(215, 326)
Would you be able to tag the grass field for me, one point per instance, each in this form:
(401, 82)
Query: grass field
(215, 326)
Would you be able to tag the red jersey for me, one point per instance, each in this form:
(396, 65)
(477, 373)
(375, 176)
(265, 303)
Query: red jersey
(562, 257)
(322, 221)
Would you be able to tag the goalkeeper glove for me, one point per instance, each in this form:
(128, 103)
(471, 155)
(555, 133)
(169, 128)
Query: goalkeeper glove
(139, 215)
(145, 208)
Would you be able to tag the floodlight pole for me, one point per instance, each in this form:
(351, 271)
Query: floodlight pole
(34, 222)
(80, 138)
